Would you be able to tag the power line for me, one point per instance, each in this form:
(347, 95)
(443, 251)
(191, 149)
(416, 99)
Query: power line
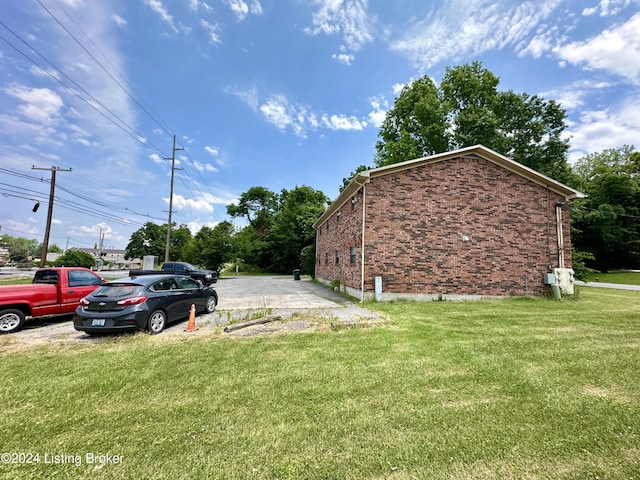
(121, 124)
(107, 205)
(97, 61)
(69, 204)
(94, 103)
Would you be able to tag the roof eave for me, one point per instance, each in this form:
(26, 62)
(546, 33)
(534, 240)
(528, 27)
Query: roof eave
(349, 191)
(363, 177)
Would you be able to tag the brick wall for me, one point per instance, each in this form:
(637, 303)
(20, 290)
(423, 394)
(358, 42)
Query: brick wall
(463, 226)
(341, 233)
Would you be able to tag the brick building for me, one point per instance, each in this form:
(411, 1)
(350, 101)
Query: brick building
(464, 224)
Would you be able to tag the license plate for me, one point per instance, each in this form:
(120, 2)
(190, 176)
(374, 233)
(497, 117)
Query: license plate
(97, 322)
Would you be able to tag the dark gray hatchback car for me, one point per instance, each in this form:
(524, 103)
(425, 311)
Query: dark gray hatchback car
(148, 303)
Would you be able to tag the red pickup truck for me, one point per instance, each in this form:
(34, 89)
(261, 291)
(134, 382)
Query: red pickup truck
(53, 291)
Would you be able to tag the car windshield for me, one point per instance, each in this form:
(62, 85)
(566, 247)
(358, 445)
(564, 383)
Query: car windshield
(116, 291)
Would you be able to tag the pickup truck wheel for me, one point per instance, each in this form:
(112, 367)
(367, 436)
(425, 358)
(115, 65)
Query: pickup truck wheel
(157, 322)
(211, 304)
(11, 320)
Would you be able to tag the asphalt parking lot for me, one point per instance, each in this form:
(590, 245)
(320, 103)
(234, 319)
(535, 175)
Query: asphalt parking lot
(300, 304)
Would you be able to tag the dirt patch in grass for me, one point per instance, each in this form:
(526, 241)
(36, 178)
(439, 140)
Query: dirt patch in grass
(602, 392)
(210, 326)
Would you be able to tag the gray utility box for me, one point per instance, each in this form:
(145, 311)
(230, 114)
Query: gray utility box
(549, 279)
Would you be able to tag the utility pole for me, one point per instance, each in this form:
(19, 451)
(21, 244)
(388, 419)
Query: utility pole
(173, 169)
(47, 231)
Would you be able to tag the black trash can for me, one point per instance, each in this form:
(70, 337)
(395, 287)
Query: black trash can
(296, 274)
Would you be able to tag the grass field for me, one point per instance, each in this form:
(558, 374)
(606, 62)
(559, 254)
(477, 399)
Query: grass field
(512, 389)
(624, 278)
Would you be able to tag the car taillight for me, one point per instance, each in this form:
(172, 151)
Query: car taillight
(132, 301)
(84, 302)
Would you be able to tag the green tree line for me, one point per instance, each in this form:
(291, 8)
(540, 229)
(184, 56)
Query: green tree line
(278, 228)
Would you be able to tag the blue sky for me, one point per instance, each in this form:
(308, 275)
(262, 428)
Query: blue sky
(273, 93)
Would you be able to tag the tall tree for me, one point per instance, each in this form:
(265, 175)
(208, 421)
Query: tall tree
(251, 249)
(180, 238)
(20, 248)
(293, 225)
(211, 247)
(415, 127)
(607, 223)
(151, 239)
(257, 205)
(280, 226)
(75, 258)
(467, 109)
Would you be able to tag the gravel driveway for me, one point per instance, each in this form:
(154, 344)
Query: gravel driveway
(299, 304)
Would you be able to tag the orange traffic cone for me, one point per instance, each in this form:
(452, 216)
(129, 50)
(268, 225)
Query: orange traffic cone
(191, 326)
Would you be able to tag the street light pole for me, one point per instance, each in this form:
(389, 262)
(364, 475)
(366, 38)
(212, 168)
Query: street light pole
(52, 191)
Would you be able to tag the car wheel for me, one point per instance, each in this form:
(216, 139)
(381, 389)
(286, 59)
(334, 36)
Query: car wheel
(157, 322)
(11, 320)
(212, 301)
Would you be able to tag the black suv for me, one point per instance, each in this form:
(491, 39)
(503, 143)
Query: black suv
(182, 268)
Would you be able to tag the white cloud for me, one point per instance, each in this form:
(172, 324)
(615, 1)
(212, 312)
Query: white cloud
(343, 122)
(378, 113)
(573, 95)
(204, 167)
(92, 230)
(73, 3)
(241, 9)
(256, 8)
(182, 203)
(212, 150)
(278, 112)
(345, 58)
(212, 31)
(396, 88)
(613, 127)
(541, 43)
(155, 158)
(607, 7)
(41, 105)
(345, 18)
(33, 132)
(158, 7)
(284, 115)
(468, 28)
(22, 228)
(250, 96)
(196, 225)
(42, 72)
(121, 22)
(196, 5)
(616, 50)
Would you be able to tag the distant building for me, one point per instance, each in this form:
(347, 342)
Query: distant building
(112, 259)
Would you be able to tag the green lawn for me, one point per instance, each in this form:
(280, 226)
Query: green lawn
(512, 389)
(624, 278)
(16, 280)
